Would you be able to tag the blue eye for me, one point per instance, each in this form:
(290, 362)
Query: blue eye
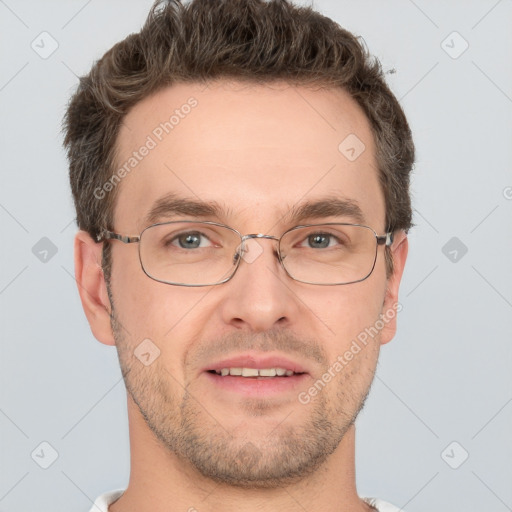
(190, 240)
(320, 241)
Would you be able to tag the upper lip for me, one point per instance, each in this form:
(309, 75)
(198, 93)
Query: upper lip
(258, 361)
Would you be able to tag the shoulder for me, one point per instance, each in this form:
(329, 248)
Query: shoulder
(103, 501)
(381, 505)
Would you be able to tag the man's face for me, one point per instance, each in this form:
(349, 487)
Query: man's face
(259, 153)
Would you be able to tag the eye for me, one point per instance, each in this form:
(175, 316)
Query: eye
(320, 241)
(190, 240)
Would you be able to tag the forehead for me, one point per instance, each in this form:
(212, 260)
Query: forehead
(258, 151)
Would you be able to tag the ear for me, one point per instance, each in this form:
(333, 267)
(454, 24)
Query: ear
(391, 306)
(92, 287)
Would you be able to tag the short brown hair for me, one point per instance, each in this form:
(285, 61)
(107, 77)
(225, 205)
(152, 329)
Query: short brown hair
(251, 40)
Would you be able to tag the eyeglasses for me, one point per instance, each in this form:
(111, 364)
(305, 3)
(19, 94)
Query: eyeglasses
(191, 253)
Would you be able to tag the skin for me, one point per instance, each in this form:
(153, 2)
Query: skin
(258, 151)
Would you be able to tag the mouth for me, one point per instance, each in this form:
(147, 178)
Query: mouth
(251, 375)
(254, 373)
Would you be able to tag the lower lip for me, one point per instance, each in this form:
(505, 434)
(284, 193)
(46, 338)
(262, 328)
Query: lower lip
(257, 386)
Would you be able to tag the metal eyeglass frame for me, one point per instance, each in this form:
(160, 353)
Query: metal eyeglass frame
(386, 239)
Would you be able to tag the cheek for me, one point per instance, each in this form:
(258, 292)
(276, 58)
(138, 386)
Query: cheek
(347, 311)
(169, 316)
(143, 305)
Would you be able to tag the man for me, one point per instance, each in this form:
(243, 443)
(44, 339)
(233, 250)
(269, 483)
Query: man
(240, 172)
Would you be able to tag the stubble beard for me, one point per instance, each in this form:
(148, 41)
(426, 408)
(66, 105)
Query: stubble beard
(186, 429)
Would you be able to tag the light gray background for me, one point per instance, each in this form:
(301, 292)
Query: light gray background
(445, 378)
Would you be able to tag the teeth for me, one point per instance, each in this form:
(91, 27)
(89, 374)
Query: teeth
(255, 372)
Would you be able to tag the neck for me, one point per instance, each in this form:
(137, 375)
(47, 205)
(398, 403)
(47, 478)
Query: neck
(160, 481)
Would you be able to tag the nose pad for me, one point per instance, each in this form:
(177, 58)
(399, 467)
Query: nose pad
(249, 250)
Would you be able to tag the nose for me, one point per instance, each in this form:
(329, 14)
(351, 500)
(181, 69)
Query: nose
(259, 296)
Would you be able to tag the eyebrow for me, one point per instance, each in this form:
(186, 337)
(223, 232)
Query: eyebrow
(172, 205)
(328, 207)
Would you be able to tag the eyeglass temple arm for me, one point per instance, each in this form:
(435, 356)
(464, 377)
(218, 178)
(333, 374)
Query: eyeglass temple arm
(110, 235)
(386, 239)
